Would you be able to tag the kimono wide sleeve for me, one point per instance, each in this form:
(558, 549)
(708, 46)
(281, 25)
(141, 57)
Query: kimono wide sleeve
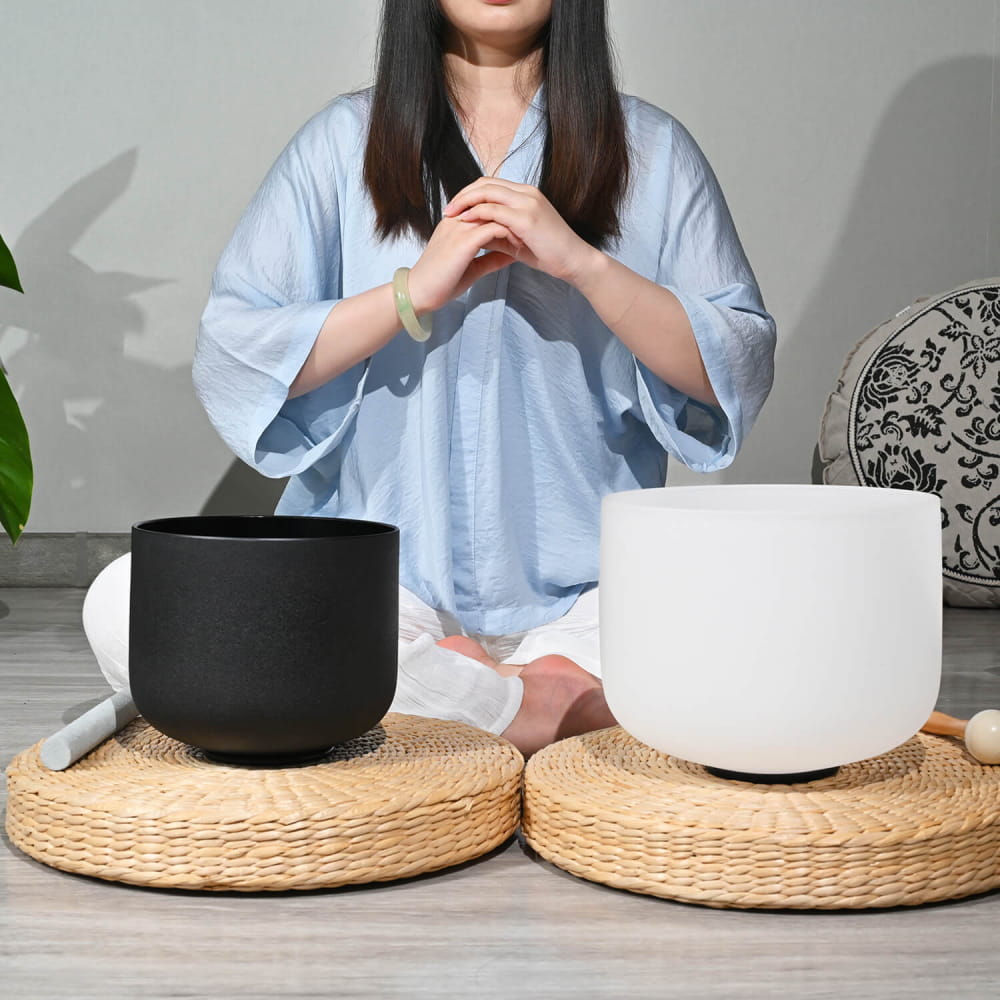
(703, 264)
(275, 284)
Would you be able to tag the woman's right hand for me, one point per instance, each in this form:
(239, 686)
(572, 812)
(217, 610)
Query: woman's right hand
(450, 261)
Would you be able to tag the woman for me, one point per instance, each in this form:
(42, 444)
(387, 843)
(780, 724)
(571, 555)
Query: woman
(591, 311)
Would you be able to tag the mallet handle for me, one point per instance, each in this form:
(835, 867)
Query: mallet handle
(945, 725)
(67, 746)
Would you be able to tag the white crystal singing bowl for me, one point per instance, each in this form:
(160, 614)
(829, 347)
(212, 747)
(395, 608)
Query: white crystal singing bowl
(771, 629)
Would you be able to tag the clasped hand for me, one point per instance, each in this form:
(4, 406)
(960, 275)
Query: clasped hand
(510, 222)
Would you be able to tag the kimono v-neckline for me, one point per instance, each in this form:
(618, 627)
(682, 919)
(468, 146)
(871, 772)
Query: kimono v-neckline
(512, 166)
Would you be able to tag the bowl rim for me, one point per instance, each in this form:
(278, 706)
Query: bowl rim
(167, 527)
(838, 501)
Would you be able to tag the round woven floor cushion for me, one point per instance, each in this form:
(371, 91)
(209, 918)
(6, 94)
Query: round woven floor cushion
(917, 407)
(412, 795)
(919, 824)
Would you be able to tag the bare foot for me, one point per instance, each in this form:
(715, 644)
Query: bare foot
(470, 648)
(560, 699)
(467, 647)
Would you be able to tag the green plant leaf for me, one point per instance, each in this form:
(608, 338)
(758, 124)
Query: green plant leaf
(16, 476)
(8, 269)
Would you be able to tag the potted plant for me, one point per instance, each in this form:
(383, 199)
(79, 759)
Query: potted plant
(16, 476)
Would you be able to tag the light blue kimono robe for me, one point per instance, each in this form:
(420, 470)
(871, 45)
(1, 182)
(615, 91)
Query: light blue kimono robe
(492, 444)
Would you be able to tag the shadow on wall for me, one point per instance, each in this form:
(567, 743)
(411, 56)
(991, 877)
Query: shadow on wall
(93, 412)
(914, 228)
(243, 490)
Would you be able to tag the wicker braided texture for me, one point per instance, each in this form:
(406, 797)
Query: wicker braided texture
(918, 824)
(410, 796)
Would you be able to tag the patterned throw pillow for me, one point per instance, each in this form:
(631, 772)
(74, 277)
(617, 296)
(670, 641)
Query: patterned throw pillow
(917, 407)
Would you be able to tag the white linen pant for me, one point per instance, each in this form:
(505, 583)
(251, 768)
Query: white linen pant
(434, 682)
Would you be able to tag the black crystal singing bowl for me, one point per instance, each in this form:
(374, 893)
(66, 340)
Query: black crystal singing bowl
(263, 640)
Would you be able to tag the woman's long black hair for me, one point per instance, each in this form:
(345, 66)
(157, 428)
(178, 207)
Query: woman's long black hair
(415, 145)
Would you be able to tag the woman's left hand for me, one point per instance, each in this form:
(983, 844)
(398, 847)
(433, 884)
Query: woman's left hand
(548, 243)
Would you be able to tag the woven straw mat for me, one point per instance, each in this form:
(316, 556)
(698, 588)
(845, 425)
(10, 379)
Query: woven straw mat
(918, 824)
(410, 796)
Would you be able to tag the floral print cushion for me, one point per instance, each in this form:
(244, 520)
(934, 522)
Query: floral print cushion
(917, 407)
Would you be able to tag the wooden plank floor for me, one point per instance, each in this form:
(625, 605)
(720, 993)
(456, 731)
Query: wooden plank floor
(505, 926)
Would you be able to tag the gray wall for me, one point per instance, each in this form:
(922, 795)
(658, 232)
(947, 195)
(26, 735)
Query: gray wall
(856, 141)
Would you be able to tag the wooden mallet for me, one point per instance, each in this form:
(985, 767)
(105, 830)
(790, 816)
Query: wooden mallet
(981, 733)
